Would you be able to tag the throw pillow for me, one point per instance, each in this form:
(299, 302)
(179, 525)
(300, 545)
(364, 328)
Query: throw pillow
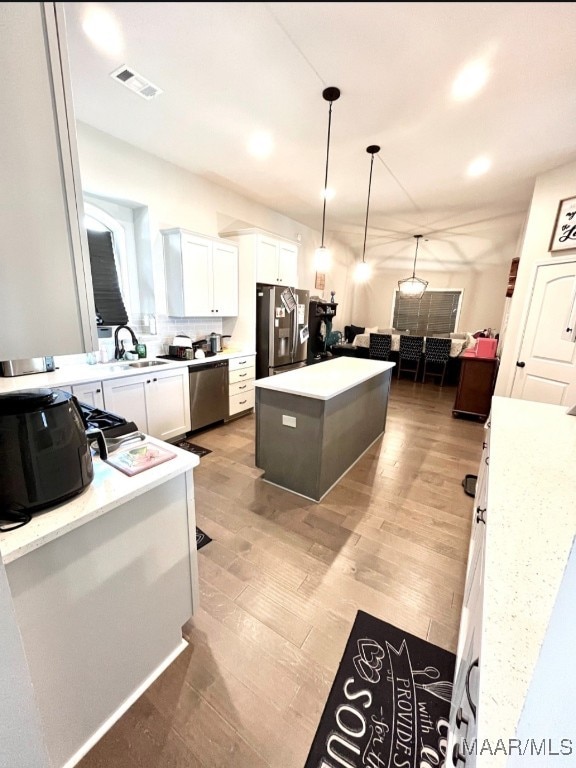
(351, 331)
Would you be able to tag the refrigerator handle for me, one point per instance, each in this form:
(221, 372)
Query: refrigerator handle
(294, 314)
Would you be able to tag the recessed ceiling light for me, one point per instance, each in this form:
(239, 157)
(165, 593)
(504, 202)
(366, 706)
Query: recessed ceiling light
(261, 144)
(104, 31)
(470, 80)
(327, 193)
(479, 166)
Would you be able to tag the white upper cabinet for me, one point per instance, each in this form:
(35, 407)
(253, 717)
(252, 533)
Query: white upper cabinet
(46, 299)
(276, 261)
(201, 275)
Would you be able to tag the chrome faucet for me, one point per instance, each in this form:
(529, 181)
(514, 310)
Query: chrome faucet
(120, 352)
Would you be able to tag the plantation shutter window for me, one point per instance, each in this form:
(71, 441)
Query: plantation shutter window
(434, 313)
(110, 308)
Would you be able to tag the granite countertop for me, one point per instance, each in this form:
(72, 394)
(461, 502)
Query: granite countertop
(109, 489)
(531, 522)
(326, 379)
(68, 375)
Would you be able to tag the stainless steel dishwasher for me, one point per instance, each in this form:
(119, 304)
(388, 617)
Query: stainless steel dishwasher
(208, 393)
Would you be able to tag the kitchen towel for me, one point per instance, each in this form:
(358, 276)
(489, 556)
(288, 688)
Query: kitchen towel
(390, 701)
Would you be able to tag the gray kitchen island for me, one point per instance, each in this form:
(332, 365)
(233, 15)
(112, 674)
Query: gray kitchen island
(314, 423)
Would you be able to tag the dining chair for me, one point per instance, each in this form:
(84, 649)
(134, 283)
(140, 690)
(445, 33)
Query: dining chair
(380, 345)
(436, 354)
(410, 352)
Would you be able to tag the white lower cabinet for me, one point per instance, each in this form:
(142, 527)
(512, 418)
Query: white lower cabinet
(158, 403)
(241, 375)
(463, 711)
(91, 392)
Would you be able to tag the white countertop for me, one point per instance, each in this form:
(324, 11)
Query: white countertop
(325, 380)
(531, 522)
(68, 375)
(109, 489)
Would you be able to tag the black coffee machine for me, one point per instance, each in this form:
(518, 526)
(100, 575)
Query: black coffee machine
(320, 315)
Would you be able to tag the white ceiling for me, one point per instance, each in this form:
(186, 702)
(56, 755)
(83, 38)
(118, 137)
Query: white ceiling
(228, 69)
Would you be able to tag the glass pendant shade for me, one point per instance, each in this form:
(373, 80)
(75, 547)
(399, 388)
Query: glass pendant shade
(322, 259)
(413, 287)
(363, 272)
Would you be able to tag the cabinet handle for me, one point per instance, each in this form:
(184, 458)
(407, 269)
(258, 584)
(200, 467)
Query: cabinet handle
(243, 386)
(468, 696)
(521, 364)
(460, 719)
(241, 402)
(242, 362)
(457, 755)
(480, 515)
(241, 375)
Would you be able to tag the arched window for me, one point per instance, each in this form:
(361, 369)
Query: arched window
(109, 261)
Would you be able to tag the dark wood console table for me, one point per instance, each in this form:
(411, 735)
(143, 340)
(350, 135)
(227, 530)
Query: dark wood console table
(475, 386)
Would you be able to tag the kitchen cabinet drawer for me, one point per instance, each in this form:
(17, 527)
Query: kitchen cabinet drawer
(241, 402)
(241, 374)
(240, 387)
(90, 392)
(240, 362)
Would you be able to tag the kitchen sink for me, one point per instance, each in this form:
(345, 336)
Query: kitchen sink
(146, 363)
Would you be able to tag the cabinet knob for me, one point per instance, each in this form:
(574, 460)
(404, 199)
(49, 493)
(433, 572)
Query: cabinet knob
(460, 719)
(521, 364)
(148, 381)
(154, 379)
(569, 330)
(98, 391)
(480, 515)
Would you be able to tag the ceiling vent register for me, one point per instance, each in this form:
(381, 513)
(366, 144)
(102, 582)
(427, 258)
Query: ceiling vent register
(136, 82)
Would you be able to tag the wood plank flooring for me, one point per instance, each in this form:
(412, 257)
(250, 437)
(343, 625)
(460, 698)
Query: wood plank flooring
(283, 578)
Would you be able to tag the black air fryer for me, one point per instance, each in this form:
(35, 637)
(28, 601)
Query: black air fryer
(44, 449)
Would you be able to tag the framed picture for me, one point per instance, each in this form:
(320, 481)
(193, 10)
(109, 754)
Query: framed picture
(320, 281)
(564, 234)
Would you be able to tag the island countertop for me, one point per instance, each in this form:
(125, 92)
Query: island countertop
(327, 379)
(110, 489)
(530, 527)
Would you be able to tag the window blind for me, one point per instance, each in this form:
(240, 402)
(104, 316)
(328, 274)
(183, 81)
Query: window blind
(110, 309)
(430, 315)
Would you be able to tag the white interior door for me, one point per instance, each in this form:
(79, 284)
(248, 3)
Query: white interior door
(546, 366)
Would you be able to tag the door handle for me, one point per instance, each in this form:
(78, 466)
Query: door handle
(468, 695)
(521, 364)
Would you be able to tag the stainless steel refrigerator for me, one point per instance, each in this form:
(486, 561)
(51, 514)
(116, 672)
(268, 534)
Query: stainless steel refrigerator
(281, 329)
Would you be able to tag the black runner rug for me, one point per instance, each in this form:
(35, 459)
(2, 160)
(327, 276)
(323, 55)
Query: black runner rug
(389, 704)
(201, 538)
(193, 448)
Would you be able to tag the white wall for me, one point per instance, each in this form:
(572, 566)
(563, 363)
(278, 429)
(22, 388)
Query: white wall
(482, 303)
(175, 197)
(21, 739)
(550, 188)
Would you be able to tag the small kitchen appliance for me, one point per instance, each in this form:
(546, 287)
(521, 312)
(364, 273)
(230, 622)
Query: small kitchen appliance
(45, 453)
(26, 366)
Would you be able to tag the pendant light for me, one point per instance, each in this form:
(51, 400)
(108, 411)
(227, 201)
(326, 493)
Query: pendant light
(413, 287)
(363, 269)
(322, 257)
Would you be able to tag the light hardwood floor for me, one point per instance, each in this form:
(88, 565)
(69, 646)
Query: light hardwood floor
(283, 578)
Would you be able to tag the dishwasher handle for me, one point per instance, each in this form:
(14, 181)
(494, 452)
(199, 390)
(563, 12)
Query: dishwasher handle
(207, 366)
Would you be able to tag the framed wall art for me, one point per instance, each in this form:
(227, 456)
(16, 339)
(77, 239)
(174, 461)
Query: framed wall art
(564, 234)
